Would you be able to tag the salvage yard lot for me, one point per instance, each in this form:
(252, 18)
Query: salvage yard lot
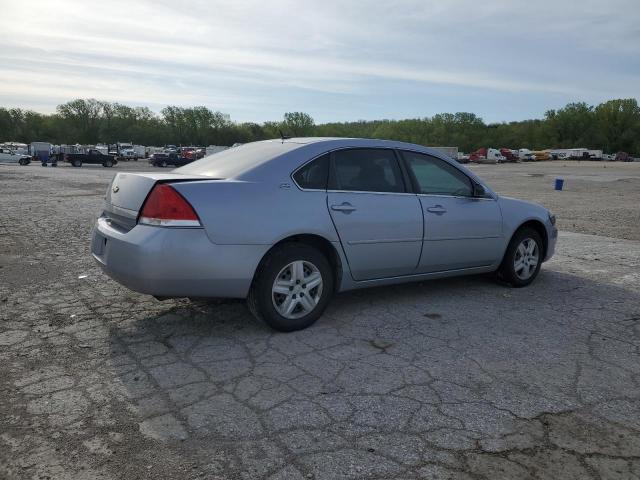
(459, 378)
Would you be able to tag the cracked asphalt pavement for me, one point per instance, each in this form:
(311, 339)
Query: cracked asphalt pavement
(450, 379)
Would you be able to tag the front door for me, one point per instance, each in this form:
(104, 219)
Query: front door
(460, 230)
(379, 223)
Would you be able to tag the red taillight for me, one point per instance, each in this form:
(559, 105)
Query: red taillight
(167, 208)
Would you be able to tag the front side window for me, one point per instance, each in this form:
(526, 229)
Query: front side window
(313, 176)
(436, 177)
(366, 170)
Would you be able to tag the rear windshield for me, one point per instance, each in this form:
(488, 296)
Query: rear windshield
(233, 161)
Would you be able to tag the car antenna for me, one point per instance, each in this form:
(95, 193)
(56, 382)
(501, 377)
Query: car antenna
(283, 137)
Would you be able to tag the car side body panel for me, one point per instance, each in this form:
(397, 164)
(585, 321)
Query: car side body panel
(382, 235)
(516, 212)
(251, 213)
(460, 232)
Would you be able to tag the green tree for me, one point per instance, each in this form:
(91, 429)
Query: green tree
(571, 126)
(611, 126)
(83, 117)
(298, 124)
(618, 125)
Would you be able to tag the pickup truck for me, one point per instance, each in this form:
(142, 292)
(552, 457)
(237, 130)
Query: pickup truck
(92, 156)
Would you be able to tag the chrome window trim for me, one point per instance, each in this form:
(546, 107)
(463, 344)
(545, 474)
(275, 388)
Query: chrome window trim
(454, 196)
(369, 192)
(397, 150)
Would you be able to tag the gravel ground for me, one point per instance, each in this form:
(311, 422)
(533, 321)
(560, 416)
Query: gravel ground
(451, 379)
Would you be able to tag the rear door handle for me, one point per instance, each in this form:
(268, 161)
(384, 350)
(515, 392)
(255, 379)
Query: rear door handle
(344, 207)
(437, 209)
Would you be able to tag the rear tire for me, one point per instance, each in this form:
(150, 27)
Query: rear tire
(76, 163)
(280, 295)
(163, 164)
(108, 163)
(523, 258)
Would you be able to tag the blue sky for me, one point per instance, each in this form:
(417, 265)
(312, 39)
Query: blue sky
(336, 60)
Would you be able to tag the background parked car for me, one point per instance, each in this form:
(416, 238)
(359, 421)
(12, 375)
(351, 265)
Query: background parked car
(192, 153)
(166, 159)
(9, 155)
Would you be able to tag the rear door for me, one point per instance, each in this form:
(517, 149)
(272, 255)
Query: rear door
(460, 229)
(378, 221)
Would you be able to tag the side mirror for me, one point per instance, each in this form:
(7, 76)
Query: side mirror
(478, 190)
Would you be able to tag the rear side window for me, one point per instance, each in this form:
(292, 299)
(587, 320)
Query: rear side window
(313, 176)
(366, 170)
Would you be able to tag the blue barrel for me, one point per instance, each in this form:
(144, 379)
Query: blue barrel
(559, 183)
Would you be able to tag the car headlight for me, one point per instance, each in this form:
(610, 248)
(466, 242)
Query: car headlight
(552, 218)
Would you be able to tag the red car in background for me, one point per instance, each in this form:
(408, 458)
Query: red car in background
(193, 153)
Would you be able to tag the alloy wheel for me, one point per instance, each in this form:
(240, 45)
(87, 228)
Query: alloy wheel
(297, 289)
(526, 258)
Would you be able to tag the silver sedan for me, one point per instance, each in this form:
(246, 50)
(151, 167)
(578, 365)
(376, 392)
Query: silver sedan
(287, 223)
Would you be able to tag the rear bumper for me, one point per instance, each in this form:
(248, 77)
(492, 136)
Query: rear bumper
(174, 262)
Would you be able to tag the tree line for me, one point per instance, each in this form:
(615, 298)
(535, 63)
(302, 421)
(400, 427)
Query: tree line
(611, 126)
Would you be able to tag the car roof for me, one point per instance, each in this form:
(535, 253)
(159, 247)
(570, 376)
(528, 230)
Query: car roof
(254, 160)
(345, 142)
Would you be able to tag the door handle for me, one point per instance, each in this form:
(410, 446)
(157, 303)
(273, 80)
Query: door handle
(344, 207)
(437, 209)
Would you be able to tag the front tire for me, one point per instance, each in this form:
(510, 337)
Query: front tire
(292, 287)
(523, 259)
